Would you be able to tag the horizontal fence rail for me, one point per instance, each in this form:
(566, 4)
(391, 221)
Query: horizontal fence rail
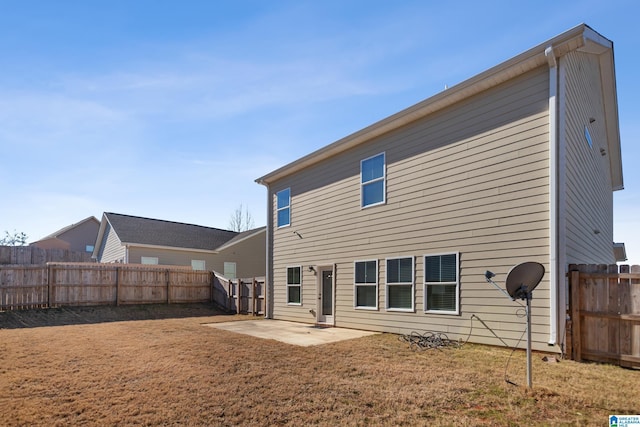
(604, 312)
(75, 284)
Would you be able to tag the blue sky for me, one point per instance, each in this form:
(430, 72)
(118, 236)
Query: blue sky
(171, 109)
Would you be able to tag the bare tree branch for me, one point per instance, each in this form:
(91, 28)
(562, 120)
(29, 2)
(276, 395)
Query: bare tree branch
(241, 220)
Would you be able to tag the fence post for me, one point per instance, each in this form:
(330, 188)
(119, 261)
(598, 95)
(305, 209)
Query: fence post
(253, 297)
(624, 308)
(576, 339)
(49, 286)
(211, 286)
(117, 286)
(168, 286)
(52, 286)
(613, 307)
(239, 293)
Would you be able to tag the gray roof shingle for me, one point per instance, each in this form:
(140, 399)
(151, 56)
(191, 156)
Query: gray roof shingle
(147, 231)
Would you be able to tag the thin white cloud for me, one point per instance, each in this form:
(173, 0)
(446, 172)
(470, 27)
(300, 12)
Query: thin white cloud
(52, 110)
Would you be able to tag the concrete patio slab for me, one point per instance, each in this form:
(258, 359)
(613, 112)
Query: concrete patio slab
(302, 334)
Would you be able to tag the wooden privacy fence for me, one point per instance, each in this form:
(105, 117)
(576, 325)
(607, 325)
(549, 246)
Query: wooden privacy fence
(29, 255)
(604, 310)
(65, 284)
(243, 295)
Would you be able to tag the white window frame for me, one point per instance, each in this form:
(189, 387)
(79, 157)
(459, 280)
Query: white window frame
(278, 209)
(293, 284)
(197, 263)
(149, 260)
(412, 283)
(356, 285)
(456, 283)
(383, 178)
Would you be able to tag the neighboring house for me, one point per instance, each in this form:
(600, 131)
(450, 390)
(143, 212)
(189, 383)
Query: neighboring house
(393, 227)
(78, 237)
(136, 240)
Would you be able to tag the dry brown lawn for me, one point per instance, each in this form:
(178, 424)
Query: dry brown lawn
(167, 369)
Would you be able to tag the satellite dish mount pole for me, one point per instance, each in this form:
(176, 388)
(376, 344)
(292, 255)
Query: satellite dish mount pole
(528, 297)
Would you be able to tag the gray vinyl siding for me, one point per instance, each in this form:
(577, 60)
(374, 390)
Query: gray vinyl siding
(472, 178)
(589, 194)
(82, 235)
(169, 256)
(111, 249)
(249, 256)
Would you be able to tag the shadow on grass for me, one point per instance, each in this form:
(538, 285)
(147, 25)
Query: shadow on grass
(62, 316)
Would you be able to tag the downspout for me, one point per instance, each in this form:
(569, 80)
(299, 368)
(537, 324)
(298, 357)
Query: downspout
(268, 277)
(553, 195)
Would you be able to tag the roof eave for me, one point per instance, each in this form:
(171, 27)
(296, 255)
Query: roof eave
(171, 248)
(612, 121)
(257, 231)
(100, 236)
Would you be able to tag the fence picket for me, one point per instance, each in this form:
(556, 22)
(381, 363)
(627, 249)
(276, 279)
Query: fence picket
(69, 284)
(605, 319)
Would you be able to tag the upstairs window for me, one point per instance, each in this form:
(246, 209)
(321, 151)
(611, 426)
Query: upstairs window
(372, 181)
(284, 207)
(400, 284)
(442, 283)
(366, 284)
(294, 285)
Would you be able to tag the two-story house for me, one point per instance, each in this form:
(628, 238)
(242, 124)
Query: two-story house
(393, 227)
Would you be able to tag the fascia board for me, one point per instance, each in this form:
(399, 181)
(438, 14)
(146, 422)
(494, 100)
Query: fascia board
(249, 236)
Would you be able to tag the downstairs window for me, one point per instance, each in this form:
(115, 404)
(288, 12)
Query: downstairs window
(442, 283)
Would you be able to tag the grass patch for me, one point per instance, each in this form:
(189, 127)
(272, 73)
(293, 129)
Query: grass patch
(167, 370)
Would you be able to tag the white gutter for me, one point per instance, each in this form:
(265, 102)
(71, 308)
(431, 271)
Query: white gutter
(268, 275)
(553, 195)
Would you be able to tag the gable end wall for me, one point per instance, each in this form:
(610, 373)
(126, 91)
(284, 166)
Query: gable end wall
(589, 196)
(111, 249)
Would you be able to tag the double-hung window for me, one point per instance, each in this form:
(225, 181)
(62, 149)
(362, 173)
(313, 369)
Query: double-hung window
(442, 283)
(284, 207)
(198, 264)
(400, 284)
(366, 284)
(372, 181)
(294, 285)
(230, 270)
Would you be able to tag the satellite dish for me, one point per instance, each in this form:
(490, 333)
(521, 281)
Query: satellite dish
(523, 279)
